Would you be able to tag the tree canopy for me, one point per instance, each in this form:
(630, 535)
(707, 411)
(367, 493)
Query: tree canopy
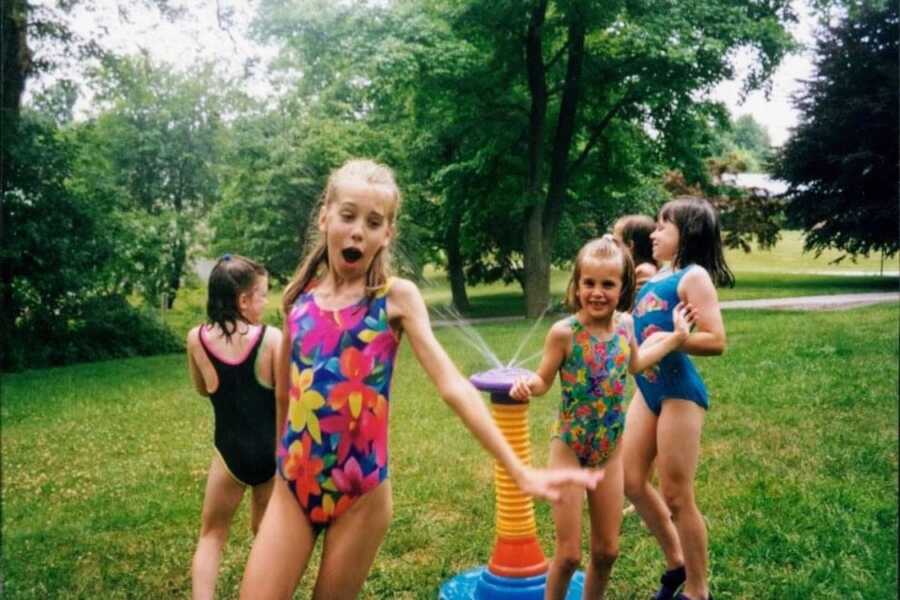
(842, 160)
(517, 131)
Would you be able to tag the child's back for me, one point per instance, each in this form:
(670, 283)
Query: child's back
(231, 359)
(243, 399)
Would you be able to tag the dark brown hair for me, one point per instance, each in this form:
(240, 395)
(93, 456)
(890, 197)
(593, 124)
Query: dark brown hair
(699, 237)
(355, 171)
(603, 248)
(231, 276)
(635, 232)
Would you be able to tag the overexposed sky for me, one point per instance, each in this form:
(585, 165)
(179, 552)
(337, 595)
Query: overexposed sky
(776, 113)
(201, 37)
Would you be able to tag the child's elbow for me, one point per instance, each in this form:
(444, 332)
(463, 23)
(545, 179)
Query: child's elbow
(718, 348)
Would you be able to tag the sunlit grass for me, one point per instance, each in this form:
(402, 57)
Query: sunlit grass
(788, 256)
(104, 464)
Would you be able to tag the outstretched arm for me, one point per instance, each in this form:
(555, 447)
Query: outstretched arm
(654, 349)
(466, 401)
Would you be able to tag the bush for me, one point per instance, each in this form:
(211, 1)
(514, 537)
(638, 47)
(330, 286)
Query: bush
(105, 327)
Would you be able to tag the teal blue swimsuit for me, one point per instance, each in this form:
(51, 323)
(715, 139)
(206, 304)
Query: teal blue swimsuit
(675, 375)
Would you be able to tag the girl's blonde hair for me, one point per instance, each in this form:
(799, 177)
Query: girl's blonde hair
(363, 172)
(605, 247)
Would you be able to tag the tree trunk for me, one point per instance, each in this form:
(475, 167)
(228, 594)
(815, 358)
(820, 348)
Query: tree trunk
(16, 59)
(455, 261)
(543, 216)
(537, 267)
(179, 257)
(565, 133)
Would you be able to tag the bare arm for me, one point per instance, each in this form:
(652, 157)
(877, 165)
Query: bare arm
(537, 384)
(654, 350)
(708, 339)
(642, 273)
(466, 401)
(282, 360)
(194, 355)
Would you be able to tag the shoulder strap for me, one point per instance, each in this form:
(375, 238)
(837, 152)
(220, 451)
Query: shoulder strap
(575, 324)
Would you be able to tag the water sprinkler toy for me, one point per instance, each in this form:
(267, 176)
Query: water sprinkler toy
(517, 569)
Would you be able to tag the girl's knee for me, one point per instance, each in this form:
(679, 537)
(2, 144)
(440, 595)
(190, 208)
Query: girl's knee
(214, 532)
(568, 560)
(604, 554)
(677, 499)
(635, 487)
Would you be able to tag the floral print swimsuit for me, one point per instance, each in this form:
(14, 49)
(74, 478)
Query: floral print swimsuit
(334, 443)
(591, 417)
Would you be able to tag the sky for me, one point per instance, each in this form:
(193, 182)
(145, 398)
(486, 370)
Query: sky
(775, 112)
(201, 37)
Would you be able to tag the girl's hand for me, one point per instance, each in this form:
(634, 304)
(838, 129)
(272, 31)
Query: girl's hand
(520, 390)
(683, 318)
(547, 483)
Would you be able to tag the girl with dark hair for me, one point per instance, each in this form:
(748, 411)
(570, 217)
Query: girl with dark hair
(231, 359)
(634, 231)
(592, 352)
(665, 420)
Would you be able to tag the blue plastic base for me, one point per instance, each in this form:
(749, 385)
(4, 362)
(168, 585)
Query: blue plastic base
(481, 584)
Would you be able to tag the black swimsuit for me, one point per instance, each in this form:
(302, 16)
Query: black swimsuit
(245, 417)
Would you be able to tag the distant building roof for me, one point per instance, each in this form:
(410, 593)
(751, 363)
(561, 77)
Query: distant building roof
(774, 187)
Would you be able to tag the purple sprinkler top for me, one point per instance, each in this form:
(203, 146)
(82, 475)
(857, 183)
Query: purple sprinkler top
(498, 382)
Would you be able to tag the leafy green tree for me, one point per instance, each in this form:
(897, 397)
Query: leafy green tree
(567, 90)
(161, 134)
(523, 128)
(741, 143)
(326, 114)
(67, 254)
(277, 168)
(842, 160)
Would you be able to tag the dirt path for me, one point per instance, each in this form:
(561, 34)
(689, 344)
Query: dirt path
(826, 302)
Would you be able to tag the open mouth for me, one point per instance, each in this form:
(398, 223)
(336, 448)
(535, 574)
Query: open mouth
(351, 255)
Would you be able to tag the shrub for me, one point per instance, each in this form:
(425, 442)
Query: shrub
(103, 328)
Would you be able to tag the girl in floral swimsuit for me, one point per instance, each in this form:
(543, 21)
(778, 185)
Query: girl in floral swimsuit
(593, 350)
(344, 317)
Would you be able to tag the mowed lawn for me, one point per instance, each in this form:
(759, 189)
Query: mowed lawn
(104, 465)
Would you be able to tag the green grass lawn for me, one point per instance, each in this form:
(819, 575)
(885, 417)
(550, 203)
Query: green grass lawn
(788, 256)
(104, 465)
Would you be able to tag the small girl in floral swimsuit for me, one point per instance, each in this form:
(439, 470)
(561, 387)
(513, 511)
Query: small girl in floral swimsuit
(593, 350)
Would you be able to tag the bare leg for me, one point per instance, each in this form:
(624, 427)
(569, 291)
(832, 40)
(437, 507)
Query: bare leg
(678, 436)
(567, 518)
(281, 549)
(220, 501)
(351, 544)
(605, 503)
(639, 448)
(260, 499)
